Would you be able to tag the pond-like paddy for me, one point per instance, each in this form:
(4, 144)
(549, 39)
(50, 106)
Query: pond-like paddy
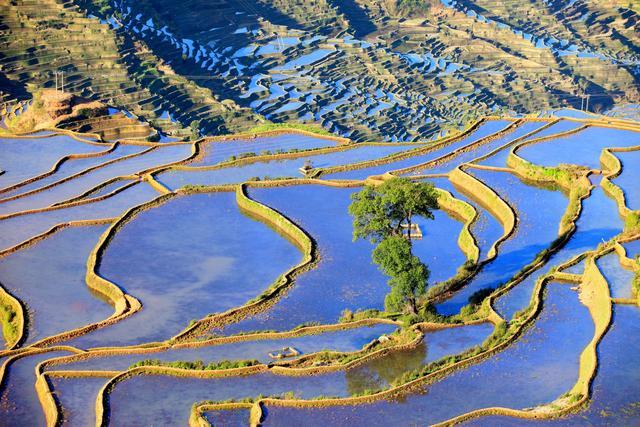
(191, 255)
(538, 368)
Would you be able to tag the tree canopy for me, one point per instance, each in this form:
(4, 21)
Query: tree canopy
(379, 214)
(381, 211)
(408, 274)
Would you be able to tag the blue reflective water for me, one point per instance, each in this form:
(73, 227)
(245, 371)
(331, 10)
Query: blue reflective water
(618, 278)
(75, 187)
(484, 130)
(166, 400)
(345, 277)
(582, 148)
(24, 158)
(17, 229)
(481, 150)
(275, 168)
(73, 166)
(19, 403)
(55, 292)
(615, 390)
(598, 222)
(535, 231)
(218, 151)
(345, 340)
(538, 368)
(629, 179)
(632, 248)
(221, 260)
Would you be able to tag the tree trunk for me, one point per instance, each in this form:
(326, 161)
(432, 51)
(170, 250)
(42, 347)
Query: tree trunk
(412, 306)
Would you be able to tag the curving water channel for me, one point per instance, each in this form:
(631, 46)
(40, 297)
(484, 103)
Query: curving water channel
(187, 258)
(345, 277)
(538, 368)
(486, 129)
(535, 231)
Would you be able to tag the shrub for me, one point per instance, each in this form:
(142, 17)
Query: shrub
(154, 137)
(350, 316)
(632, 222)
(197, 364)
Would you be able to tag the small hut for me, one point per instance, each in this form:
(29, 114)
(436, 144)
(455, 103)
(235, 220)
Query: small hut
(414, 232)
(306, 168)
(284, 352)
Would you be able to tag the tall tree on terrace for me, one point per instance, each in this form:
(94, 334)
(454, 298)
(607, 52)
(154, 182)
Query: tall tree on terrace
(379, 214)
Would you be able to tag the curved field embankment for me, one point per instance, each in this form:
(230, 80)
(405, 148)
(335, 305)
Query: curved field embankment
(468, 214)
(452, 154)
(490, 200)
(593, 290)
(611, 168)
(594, 294)
(404, 155)
(287, 228)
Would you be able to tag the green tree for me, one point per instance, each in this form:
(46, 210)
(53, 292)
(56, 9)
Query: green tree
(195, 129)
(379, 214)
(408, 275)
(382, 211)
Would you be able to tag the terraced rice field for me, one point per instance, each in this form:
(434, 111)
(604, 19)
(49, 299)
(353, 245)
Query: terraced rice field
(213, 283)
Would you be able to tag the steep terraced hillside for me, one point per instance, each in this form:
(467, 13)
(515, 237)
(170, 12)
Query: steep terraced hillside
(367, 69)
(40, 38)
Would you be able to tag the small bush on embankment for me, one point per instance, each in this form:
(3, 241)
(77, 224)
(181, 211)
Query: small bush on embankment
(8, 318)
(198, 365)
(268, 127)
(632, 223)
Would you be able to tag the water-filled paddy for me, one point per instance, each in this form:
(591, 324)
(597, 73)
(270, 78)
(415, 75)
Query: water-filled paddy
(485, 229)
(17, 229)
(81, 184)
(19, 404)
(480, 150)
(55, 293)
(538, 368)
(535, 231)
(484, 130)
(275, 168)
(582, 148)
(559, 127)
(139, 393)
(24, 158)
(499, 159)
(355, 282)
(345, 340)
(616, 386)
(618, 278)
(629, 177)
(230, 417)
(74, 166)
(221, 260)
(77, 398)
(632, 248)
(197, 255)
(598, 222)
(216, 152)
